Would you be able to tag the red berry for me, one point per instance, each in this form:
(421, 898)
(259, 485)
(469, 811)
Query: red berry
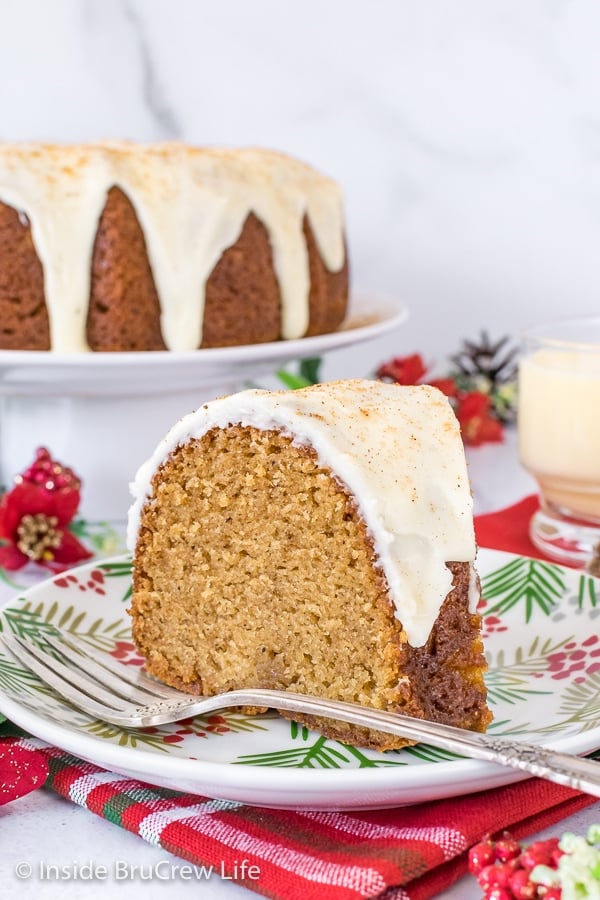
(537, 854)
(46, 472)
(497, 875)
(553, 893)
(499, 893)
(521, 886)
(507, 848)
(480, 856)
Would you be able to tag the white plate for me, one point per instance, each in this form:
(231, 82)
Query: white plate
(544, 682)
(30, 372)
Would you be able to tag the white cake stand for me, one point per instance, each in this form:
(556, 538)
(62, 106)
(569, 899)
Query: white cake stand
(103, 413)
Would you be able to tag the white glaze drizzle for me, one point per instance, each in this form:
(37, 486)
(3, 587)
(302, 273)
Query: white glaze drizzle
(191, 204)
(399, 452)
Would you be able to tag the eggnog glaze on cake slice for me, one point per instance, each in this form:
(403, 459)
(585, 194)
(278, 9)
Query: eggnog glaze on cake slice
(398, 451)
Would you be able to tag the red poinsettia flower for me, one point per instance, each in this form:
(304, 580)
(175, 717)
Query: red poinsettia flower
(447, 386)
(477, 425)
(34, 519)
(404, 370)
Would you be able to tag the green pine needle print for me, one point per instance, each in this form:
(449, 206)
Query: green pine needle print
(45, 620)
(580, 705)
(427, 753)
(316, 751)
(120, 569)
(317, 755)
(530, 582)
(17, 681)
(224, 722)
(508, 681)
(587, 592)
(125, 737)
(507, 727)
(504, 691)
(25, 622)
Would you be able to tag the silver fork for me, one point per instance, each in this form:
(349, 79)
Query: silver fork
(112, 692)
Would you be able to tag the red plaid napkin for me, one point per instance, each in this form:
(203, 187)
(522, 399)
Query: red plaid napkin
(410, 853)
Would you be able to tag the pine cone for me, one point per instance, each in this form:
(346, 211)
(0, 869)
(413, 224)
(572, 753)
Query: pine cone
(487, 359)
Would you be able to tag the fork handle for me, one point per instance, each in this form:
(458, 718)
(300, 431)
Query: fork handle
(563, 768)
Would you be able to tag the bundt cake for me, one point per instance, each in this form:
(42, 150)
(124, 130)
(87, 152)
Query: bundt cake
(318, 540)
(117, 246)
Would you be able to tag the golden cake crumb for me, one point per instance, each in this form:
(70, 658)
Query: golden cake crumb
(253, 568)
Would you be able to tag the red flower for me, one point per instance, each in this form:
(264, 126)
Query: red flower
(446, 385)
(405, 370)
(476, 423)
(34, 520)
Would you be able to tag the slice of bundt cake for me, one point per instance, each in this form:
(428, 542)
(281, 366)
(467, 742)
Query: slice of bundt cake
(318, 540)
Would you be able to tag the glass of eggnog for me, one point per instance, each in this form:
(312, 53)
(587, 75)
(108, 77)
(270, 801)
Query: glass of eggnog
(559, 436)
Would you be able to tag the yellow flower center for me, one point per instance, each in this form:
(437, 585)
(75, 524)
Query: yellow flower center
(38, 536)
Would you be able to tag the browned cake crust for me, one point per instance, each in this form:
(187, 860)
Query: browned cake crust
(253, 568)
(24, 321)
(124, 309)
(242, 294)
(242, 303)
(328, 290)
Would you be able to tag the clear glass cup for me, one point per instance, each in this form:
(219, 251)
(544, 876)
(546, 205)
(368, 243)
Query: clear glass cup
(559, 436)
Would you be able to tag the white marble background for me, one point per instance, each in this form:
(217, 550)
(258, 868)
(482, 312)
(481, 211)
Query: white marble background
(466, 135)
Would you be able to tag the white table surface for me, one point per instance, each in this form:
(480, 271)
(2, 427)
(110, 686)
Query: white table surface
(42, 827)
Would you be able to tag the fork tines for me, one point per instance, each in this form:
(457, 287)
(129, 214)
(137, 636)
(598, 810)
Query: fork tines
(91, 680)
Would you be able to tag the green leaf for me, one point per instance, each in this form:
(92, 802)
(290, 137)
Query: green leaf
(292, 381)
(7, 580)
(308, 374)
(310, 369)
(101, 536)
